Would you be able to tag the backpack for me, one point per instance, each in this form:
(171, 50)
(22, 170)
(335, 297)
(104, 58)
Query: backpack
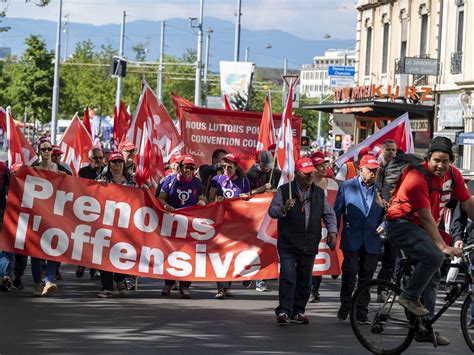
(397, 167)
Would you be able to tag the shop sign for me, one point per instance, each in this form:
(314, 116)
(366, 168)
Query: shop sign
(393, 92)
(421, 125)
(450, 111)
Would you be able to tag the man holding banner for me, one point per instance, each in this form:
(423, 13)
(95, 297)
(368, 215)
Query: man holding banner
(299, 207)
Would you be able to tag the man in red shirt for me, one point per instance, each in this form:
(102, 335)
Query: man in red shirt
(412, 225)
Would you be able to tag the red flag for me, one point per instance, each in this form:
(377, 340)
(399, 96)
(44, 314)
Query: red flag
(150, 167)
(227, 105)
(285, 140)
(162, 129)
(19, 149)
(266, 135)
(179, 102)
(122, 121)
(399, 130)
(86, 120)
(75, 144)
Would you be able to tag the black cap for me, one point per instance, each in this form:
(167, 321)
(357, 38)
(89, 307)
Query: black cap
(441, 144)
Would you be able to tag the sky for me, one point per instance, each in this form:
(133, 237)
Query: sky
(307, 19)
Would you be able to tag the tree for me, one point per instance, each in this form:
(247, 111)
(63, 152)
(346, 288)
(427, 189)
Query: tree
(31, 84)
(140, 51)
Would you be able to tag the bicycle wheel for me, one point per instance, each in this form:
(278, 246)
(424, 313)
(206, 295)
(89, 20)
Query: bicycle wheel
(467, 316)
(382, 328)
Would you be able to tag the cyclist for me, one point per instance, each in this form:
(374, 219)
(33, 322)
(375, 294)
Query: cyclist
(412, 221)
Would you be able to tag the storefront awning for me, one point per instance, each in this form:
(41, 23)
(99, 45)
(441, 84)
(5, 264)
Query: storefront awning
(375, 108)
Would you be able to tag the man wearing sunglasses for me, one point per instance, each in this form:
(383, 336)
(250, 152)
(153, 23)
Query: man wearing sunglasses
(128, 151)
(361, 215)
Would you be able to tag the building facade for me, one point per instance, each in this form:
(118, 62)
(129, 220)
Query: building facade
(314, 79)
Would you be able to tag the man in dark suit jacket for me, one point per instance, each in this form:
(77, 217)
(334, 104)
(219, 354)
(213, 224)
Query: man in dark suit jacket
(299, 210)
(360, 242)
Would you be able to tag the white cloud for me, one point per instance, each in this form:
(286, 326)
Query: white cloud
(309, 19)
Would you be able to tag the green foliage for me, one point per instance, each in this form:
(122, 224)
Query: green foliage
(140, 51)
(29, 83)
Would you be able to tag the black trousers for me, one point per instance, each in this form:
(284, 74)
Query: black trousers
(356, 265)
(388, 258)
(107, 279)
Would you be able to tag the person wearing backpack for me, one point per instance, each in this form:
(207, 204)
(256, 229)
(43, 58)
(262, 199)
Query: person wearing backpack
(389, 254)
(412, 220)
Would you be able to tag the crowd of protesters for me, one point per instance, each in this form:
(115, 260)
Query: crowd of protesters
(356, 209)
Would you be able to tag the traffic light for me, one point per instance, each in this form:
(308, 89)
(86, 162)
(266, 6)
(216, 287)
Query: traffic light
(338, 141)
(305, 141)
(118, 67)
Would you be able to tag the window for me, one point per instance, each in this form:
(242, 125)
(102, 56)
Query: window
(404, 39)
(423, 34)
(386, 29)
(368, 51)
(460, 29)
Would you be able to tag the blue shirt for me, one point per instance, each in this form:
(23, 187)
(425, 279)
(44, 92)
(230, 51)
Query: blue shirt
(367, 193)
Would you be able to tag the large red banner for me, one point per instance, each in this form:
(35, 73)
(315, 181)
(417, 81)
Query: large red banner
(204, 130)
(124, 229)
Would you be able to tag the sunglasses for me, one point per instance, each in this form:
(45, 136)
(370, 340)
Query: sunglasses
(46, 149)
(116, 161)
(189, 167)
(227, 166)
(129, 151)
(97, 158)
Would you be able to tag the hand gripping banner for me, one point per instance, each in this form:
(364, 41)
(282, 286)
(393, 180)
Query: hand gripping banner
(124, 229)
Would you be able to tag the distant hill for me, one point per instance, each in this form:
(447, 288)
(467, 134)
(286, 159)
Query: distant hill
(178, 37)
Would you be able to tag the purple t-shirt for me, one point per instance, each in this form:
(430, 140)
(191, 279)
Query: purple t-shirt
(230, 188)
(180, 193)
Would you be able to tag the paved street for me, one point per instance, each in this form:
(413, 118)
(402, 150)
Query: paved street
(74, 321)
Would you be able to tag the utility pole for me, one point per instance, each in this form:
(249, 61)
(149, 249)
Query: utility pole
(57, 58)
(66, 32)
(160, 68)
(197, 88)
(119, 78)
(237, 32)
(247, 53)
(206, 64)
(318, 136)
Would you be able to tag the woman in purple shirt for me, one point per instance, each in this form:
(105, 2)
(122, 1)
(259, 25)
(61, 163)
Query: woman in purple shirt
(233, 183)
(179, 191)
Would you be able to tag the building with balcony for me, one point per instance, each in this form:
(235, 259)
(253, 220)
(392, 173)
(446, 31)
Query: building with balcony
(314, 79)
(406, 47)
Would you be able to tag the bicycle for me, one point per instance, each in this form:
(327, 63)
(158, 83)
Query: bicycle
(387, 328)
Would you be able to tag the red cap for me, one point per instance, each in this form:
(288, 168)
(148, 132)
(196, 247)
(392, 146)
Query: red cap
(187, 159)
(176, 158)
(305, 165)
(116, 156)
(14, 168)
(127, 146)
(364, 151)
(56, 149)
(233, 158)
(319, 158)
(369, 162)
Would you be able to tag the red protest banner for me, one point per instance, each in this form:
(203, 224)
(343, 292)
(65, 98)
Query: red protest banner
(124, 229)
(204, 130)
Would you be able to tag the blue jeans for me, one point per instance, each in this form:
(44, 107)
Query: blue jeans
(295, 282)
(7, 263)
(414, 241)
(51, 268)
